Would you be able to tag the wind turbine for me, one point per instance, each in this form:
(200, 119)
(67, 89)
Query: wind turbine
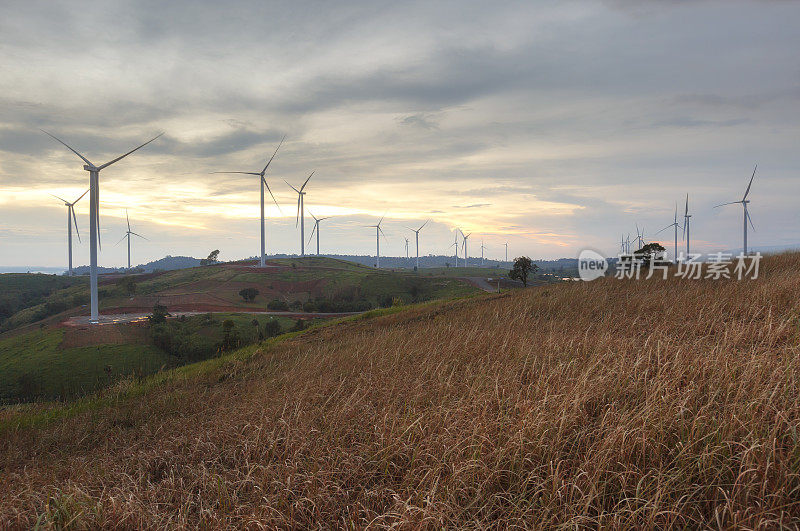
(454, 244)
(316, 229)
(686, 217)
(416, 235)
(744, 201)
(506, 244)
(675, 225)
(466, 255)
(628, 244)
(378, 232)
(482, 248)
(301, 213)
(70, 218)
(639, 236)
(263, 183)
(406, 250)
(622, 244)
(128, 235)
(94, 216)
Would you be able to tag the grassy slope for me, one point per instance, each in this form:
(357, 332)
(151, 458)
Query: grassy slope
(51, 371)
(57, 372)
(602, 404)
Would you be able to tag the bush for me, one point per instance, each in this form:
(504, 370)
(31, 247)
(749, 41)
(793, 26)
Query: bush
(248, 294)
(278, 305)
(159, 314)
(299, 325)
(272, 328)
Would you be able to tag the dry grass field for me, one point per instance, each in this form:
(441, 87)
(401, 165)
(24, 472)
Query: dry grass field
(612, 403)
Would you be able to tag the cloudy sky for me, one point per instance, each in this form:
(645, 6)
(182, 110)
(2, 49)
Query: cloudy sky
(553, 125)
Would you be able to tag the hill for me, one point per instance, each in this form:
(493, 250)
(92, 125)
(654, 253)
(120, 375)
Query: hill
(604, 404)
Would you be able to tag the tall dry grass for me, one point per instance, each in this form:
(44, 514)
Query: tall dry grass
(611, 403)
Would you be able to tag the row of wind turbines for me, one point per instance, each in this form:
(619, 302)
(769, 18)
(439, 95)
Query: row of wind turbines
(625, 243)
(94, 219)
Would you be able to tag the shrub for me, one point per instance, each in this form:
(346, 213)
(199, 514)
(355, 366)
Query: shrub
(278, 305)
(248, 294)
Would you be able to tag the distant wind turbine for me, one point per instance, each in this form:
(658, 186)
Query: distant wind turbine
(378, 232)
(675, 226)
(128, 235)
(482, 248)
(640, 236)
(70, 218)
(301, 217)
(407, 250)
(744, 201)
(466, 254)
(262, 183)
(506, 244)
(94, 216)
(622, 244)
(686, 217)
(316, 229)
(416, 235)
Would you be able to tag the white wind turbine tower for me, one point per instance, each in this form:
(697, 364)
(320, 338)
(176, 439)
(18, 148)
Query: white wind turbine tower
(378, 232)
(70, 218)
(416, 235)
(454, 244)
(482, 248)
(407, 258)
(262, 183)
(686, 217)
(466, 254)
(744, 202)
(94, 216)
(316, 229)
(675, 225)
(128, 235)
(622, 244)
(506, 244)
(301, 215)
(640, 236)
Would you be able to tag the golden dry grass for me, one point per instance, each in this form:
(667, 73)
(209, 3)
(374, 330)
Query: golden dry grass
(611, 403)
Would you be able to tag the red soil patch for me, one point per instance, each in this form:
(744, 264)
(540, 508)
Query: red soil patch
(102, 335)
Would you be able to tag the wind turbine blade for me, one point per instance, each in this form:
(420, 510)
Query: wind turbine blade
(60, 199)
(687, 206)
(126, 235)
(313, 216)
(750, 183)
(297, 219)
(139, 235)
(419, 229)
(273, 156)
(312, 234)
(305, 183)
(292, 187)
(750, 220)
(731, 203)
(109, 163)
(684, 230)
(81, 197)
(239, 172)
(128, 220)
(75, 219)
(69, 148)
(668, 226)
(272, 196)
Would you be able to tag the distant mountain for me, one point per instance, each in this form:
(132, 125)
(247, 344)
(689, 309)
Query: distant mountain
(167, 263)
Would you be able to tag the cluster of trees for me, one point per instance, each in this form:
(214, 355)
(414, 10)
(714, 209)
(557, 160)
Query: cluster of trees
(213, 258)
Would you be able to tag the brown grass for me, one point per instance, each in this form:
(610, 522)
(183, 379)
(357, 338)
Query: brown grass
(611, 403)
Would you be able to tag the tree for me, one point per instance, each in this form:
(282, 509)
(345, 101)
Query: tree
(159, 314)
(650, 253)
(523, 267)
(272, 328)
(129, 285)
(212, 258)
(249, 294)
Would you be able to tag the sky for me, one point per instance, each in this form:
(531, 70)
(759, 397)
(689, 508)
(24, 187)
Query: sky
(551, 125)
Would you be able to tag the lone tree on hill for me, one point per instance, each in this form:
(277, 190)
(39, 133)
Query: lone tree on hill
(650, 253)
(212, 258)
(523, 267)
(159, 314)
(129, 285)
(249, 294)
